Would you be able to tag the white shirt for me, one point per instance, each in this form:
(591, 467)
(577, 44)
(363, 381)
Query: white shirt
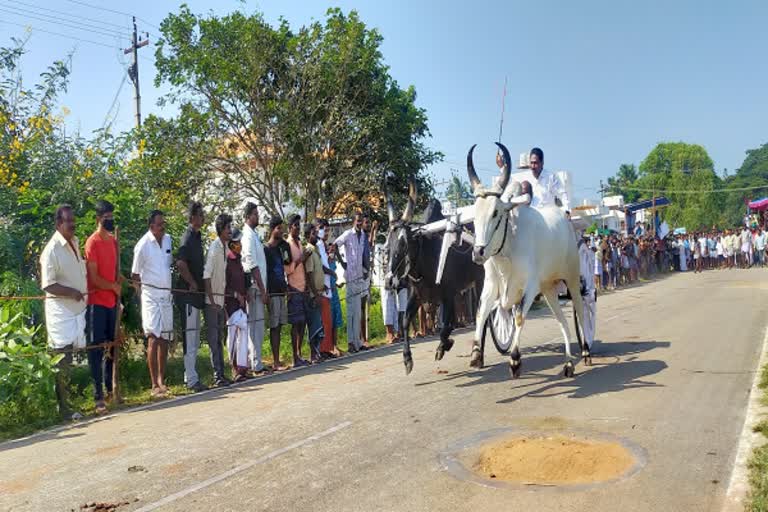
(545, 189)
(326, 264)
(152, 262)
(216, 270)
(253, 255)
(61, 263)
(760, 241)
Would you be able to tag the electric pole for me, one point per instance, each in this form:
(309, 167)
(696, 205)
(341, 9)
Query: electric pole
(133, 71)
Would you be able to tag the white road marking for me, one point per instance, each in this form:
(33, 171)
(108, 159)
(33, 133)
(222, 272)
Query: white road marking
(739, 484)
(223, 476)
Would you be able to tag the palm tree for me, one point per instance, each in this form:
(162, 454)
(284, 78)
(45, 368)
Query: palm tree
(459, 192)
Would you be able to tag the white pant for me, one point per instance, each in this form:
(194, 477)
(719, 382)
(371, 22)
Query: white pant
(190, 322)
(157, 314)
(354, 294)
(255, 329)
(237, 338)
(389, 306)
(590, 317)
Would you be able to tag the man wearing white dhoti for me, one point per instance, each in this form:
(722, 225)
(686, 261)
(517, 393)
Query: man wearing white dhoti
(63, 278)
(151, 271)
(386, 291)
(588, 291)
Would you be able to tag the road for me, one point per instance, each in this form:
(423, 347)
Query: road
(675, 365)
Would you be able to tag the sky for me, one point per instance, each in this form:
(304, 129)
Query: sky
(593, 83)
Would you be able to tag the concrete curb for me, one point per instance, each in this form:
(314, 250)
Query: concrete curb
(738, 487)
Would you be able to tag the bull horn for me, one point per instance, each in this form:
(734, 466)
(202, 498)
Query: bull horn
(390, 206)
(473, 179)
(411, 204)
(506, 170)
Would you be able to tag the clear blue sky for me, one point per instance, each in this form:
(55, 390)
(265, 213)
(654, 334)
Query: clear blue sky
(594, 83)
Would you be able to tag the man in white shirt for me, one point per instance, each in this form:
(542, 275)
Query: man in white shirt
(63, 278)
(354, 241)
(544, 186)
(760, 242)
(255, 264)
(215, 279)
(151, 271)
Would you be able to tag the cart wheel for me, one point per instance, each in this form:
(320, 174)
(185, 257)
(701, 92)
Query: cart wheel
(501, 324)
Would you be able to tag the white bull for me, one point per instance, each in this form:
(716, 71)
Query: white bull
(525, 251)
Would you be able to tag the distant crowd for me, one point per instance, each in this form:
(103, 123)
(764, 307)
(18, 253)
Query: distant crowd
(623, 259)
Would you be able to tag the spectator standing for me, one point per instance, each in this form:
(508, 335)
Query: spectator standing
(151, 272)
(235, 304)
(354, 243)
(327, 344)
(313, 265)
(104, 292)
(297, 290)
(215, 278)
(760, 244)
(277, 255)
(255, 266)
(190, 262)
(63, 278)
(337, 320)
(598, 270)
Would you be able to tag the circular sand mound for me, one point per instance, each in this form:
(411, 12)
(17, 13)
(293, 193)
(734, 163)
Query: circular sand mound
(555, 460)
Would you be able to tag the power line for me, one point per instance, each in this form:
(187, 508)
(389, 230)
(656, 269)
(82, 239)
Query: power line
(713, 191)
(60, 22)
(122, 13)
(61, 35)
(62, 13)
(114, 101)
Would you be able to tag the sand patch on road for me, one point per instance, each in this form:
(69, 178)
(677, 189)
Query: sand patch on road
(553, 460)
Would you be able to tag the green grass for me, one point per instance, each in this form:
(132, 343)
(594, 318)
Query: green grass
(758, 463)
(134, 376)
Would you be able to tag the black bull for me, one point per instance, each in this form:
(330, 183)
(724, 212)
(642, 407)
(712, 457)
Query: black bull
(414, 256)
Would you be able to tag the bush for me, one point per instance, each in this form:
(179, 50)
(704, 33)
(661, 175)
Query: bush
(27, 377)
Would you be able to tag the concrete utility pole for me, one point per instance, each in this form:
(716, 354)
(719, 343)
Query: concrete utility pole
(133, 71)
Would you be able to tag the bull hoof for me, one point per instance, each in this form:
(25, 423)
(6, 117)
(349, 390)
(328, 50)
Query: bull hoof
(586, 357)
(568, 369)
(476, 359)
(515, 368)
(439, 353)
(408, 361)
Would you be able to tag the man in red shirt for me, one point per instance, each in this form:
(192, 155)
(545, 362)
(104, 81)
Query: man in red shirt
(103, 292)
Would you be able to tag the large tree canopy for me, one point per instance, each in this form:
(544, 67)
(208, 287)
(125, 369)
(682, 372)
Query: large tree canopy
(310, 117)
(685, 174)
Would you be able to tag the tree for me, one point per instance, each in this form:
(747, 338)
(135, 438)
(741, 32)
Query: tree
(309, 117)
(623, 181)
(752, 174)
(685, 174)
(459, 192)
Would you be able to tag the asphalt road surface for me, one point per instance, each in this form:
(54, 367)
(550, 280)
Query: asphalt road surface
(675, 365)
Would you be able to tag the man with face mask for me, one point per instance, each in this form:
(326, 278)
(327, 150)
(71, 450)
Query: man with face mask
(104, 292)
(326, 344)
(63, 278)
